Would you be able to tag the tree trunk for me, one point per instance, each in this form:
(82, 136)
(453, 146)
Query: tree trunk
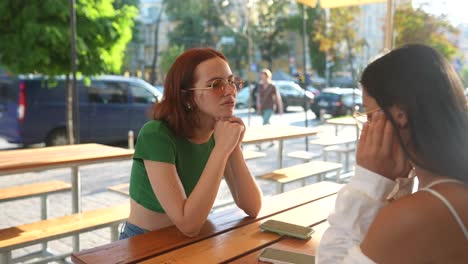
(351, 64)
(153, 77)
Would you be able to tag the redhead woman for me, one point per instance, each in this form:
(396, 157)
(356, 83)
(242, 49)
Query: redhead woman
(193, 142)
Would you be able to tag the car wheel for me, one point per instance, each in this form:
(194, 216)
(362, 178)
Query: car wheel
(57, 137)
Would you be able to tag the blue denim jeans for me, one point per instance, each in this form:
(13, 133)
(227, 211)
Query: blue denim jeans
(129, 230)
(266, 114)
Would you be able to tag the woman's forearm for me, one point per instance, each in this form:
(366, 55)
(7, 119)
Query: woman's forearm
(200, 202)
(242, 184)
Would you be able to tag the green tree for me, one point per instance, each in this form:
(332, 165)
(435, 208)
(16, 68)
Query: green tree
(35, 37)
(154, 62)
(235, 31)
(197, 23)
(414, 25)
(464, 76)
(169, 56)
(269, 30)
(317, 57)
(119, 4)
(314, 25)
(339, 39)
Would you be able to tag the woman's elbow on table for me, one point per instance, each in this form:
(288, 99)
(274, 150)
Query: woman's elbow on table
(254, 209)
(190, 226)
(189, 229)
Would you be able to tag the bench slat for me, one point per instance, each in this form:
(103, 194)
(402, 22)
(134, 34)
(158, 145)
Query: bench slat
(305, 155)
(301, 171)
(329, 141)
(29, 234)
(120, 188)
(32, 190)
(336, 148)
(250, 154)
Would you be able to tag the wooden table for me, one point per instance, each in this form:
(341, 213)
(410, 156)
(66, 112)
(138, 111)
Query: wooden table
(228, 235)
(258, 134)
(343, 121)
(73, 156)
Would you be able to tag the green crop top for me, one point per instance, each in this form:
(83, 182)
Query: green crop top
(157, 142)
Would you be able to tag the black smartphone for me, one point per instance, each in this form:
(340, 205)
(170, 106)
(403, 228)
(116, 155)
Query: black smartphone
(288, 229)
(279, 256)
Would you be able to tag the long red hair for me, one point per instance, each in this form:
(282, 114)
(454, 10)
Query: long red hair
(178, 106)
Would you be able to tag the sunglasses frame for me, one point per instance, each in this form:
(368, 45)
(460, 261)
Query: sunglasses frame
(237, 84)
(357, 115)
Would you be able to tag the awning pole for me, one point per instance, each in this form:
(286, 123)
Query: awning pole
(389, 26)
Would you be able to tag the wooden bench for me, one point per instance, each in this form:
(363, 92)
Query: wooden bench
(332, 140)
(250, 154)
(340, 150)
(306, 156)
(46, 230)
(122, 188)
(41, 189)
(301, 172)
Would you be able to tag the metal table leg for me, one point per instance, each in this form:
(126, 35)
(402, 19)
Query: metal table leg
(76, 202)
(280, 154)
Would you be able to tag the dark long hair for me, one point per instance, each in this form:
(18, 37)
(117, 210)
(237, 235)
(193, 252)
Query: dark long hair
(420, 81)
(178, 106)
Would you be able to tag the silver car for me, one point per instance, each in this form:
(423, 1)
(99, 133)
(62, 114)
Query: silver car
(291, 93)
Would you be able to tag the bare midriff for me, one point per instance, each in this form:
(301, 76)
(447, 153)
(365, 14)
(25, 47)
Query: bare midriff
(147, 219)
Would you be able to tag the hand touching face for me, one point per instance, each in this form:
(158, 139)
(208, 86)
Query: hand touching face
(379, 149)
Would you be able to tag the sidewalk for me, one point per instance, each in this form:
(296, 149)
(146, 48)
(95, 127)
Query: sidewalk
(96, 178)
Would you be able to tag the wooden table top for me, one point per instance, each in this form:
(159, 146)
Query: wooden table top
(341, 121)
(22, 160)
(308, 205)
(274, 132)
(236, 243)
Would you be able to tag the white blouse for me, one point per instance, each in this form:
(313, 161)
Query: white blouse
(356, 206)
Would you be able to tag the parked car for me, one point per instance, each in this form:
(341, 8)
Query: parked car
(337, 101)
(291, 93)
(33, 109)
(160, 88)
(313, 90)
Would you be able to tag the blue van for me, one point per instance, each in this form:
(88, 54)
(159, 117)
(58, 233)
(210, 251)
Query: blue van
(33, 109)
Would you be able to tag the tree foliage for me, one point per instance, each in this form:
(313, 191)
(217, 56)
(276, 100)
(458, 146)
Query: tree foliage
(340, 40)
(169, 56)
(197, 22)
(235, 26)
(119, 4)
(271, 21)
(414, 25)
(314, 25)
(35, 37)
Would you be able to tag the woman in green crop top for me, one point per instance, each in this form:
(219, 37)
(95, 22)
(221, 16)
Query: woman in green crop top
(194, 140)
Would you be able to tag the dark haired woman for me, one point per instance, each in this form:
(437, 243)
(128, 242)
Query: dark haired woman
(417, 121)
(194, 140)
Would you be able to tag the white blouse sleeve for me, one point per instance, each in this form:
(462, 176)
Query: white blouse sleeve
(356, 206)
